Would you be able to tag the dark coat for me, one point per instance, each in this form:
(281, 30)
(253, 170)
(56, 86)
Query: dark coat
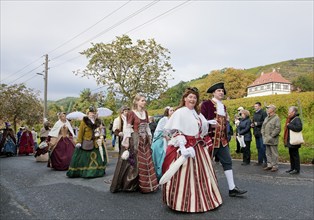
(244, 129)
(296, 126)
(259, 118)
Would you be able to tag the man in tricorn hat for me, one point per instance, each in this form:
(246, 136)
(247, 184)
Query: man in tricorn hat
(215, 112)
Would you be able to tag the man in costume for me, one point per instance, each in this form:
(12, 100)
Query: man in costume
(215, 112)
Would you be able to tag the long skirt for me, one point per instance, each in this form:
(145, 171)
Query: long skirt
(9, 147)
(87, 164)
(194, 186)
(136, 173)
(61, 155)
(158, 153)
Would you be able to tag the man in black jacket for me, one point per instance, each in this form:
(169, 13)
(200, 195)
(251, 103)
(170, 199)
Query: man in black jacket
(258, 119)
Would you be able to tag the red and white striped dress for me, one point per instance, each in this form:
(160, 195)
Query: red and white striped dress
(194, 187)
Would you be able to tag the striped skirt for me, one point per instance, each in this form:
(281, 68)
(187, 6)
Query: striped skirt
(194, 187)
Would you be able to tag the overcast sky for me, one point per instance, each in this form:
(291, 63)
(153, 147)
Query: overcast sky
(201, 35)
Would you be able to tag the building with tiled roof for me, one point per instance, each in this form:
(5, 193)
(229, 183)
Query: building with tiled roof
(269, 84)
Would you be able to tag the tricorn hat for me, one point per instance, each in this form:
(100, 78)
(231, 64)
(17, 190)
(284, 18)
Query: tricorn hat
(213, 88)
(91, 109)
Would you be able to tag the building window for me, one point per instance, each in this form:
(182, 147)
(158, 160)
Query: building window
(250, 89)
(285, 87)
(278, 86)
(255, 88)
(268, 87)
(262, 87)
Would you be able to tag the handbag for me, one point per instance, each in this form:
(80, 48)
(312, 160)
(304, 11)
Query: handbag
(296, 138)
(240, 138)
(88, 145)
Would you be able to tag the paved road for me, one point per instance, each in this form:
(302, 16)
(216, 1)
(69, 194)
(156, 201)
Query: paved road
(30, 190)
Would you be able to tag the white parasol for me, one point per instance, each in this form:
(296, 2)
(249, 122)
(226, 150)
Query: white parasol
(104, 112)
(172, 170)
(75, 115)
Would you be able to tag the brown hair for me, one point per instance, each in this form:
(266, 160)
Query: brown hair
(187, 92)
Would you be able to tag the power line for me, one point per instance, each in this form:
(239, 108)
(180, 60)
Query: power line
(110, 28)
(25, 74)
(21, 69)
(158, 16)
(89, 27)
(133, 29)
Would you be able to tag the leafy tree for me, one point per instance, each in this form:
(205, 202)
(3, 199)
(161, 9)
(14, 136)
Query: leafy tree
(128, 68)
(86, 100)
(304, 82)
(20, 104)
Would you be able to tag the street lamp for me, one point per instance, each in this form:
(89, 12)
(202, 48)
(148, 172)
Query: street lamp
(45, 94)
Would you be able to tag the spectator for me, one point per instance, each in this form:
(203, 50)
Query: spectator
(293, 123)
(152, 124)
(237, 119)
(270, 133)
(244, 129)
(258, 119)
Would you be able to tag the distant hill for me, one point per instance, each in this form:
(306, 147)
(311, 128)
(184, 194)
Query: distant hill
(290, 70)
(66, 103)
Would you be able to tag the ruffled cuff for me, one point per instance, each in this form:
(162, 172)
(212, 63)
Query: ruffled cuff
(178, 141)
(127, 131)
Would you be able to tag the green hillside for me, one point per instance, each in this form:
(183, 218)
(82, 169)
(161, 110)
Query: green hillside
(236, 80)
(66, 104)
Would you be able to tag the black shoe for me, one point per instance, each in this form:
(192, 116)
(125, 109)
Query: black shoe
(294, 172)
(288, 171)
(245, 164)
(236, 192)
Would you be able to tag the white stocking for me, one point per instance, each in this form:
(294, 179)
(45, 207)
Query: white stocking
(229, 176)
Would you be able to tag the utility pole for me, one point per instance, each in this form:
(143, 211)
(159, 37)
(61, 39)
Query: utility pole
(46, 85)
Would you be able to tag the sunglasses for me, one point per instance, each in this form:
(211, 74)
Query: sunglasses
(194, 89)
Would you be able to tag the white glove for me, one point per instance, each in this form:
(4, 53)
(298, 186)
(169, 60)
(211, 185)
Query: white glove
(212, 122)
(99, 142)
(78, 145)
(187, 152)
(121, 134)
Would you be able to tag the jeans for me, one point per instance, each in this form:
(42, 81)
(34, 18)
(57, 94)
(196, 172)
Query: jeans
(261, 150)
(113, 142)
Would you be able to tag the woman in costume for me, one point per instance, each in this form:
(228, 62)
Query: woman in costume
(8, 141)
(60, 144)
(193, 188)
(41, 153)
(160, 142)
(136, 172)
(26, 145)
(89, 159)
(293, 123)
(118, 126)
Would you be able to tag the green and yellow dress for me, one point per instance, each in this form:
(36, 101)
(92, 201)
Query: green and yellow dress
(88, 163)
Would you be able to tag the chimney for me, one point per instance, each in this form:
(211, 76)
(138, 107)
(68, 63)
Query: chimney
(274, 69)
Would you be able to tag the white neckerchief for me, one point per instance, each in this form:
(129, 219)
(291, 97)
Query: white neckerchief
(185, 121)
(57, 126)
(139, 115)
(220, 107)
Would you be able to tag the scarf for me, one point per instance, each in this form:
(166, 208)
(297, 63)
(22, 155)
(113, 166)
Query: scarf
(286, 133)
